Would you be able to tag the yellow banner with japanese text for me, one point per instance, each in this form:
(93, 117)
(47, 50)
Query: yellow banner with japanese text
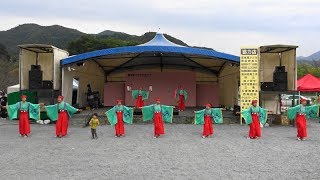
(249, 76)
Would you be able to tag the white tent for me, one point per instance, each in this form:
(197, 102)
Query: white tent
(75, 84)
(14, 88)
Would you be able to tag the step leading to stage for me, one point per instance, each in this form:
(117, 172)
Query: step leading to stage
(183, 117)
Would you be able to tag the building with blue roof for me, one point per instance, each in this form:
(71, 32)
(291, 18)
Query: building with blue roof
(208, 75)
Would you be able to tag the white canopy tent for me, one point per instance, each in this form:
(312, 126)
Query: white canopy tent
(14, 88)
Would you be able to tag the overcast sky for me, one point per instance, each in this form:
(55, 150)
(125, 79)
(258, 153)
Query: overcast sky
(222, 25)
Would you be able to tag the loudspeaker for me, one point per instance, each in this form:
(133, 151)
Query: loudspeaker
(56, 93)
(47, 85)
(35, 79)
(36, 67)
(280, 69)
(44, 93)
(267, 86)
(280, 77)
(35, 85)
(280, 86)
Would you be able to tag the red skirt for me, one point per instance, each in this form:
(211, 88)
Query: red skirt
(301, 124)
(255, 130)
(120, 124)
(181, 104)
(208, 126)
(62, 124)
(139, 102)
(24, 125)
(158, 124)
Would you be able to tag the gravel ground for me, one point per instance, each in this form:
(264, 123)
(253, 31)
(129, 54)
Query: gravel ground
(179, 154)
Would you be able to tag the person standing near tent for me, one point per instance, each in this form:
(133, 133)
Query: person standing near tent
(182, 95)
(140, 96)
(118, 115)
(300, 113)
(61, 112)
(24, 110)
(206, 116)
(253, 116)
(158, 113)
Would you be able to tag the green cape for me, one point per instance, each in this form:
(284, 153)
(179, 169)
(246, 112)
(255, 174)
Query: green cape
(34, 111)
(145, 94)
(184, 92)
(52, 111)
(311, 111)
(216, 114)
(246, 114)
(127, 115)
(166, 111)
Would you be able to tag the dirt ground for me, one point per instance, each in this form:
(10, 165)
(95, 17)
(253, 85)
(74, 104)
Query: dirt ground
(180, 154)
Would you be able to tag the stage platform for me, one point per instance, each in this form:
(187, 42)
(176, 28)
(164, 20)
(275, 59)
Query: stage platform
(183, 117)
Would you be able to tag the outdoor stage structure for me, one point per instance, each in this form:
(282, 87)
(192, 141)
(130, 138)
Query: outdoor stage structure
(207, 75)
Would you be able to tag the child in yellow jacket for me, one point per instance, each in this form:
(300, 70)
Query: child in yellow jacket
(94, 123)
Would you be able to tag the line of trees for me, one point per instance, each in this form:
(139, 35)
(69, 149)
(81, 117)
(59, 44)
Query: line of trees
(90, 43)
(309, 68)
(8, 68)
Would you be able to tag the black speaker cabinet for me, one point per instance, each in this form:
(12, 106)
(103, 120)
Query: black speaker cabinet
(47, 84)
(267, 86)
(280, 86)
(35, 75)
(36, 67)
(280, 77)
(280, 69)
(44, 93)
(56, 93)
(35, 79)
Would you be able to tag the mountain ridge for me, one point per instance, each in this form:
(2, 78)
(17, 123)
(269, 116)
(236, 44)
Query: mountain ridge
(61, 36)
(313, 57)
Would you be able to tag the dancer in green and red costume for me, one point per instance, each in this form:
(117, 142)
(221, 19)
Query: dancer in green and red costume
(301, 113)
(24, 110)
(182, 95)
(140, 96)
(118, 115)
(206, 116)
(158, 113)
(253, 116)
(61, 112)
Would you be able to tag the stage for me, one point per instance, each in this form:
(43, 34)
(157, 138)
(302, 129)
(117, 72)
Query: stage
(183, 117)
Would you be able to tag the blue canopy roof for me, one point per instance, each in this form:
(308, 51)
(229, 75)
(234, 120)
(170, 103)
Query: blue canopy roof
(160, 40)
(158, 45)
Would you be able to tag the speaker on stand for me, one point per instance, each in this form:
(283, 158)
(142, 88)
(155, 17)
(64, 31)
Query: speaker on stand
(280, 79)
(35, 79)
(267, 86)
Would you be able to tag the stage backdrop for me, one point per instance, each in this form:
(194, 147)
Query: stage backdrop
(163, 84)
(208, 93)
(112, 92)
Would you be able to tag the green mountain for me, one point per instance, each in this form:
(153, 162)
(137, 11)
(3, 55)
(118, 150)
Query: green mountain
(72, 40)
(32, 33)
(61, 37)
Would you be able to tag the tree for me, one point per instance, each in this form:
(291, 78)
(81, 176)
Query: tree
(4, 55)
(90, 43)
(304, 69)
